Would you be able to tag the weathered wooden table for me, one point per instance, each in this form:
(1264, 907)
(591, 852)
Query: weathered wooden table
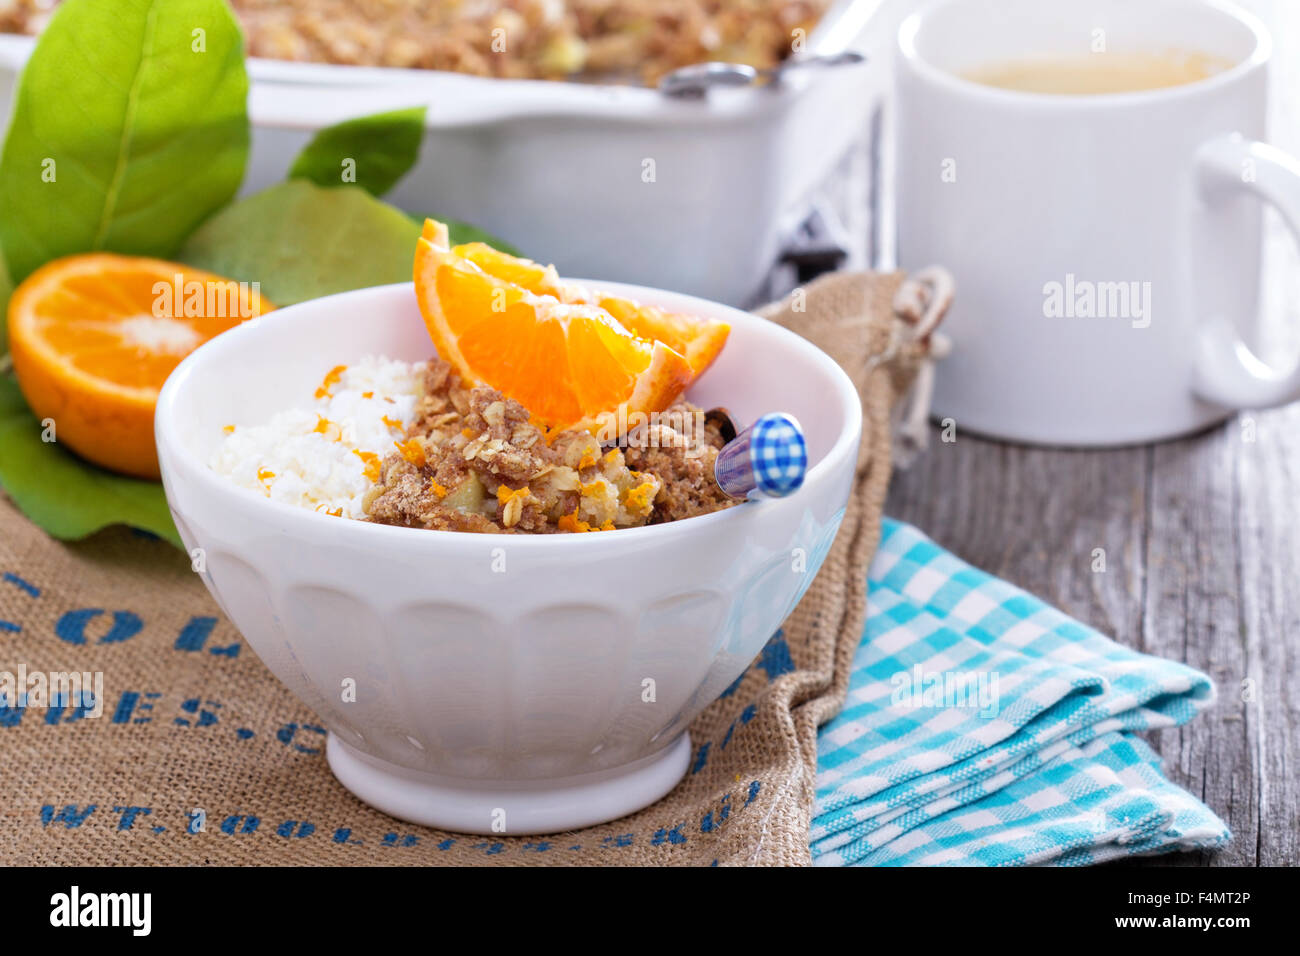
(1202, 546)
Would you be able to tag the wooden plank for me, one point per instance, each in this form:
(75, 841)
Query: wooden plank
(1269, 528)
(1193, 613)
(1034, 517)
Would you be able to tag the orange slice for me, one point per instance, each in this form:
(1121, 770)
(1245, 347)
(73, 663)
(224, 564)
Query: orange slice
(697, 338)
(526, 273)
(572, 365)
(93, 337)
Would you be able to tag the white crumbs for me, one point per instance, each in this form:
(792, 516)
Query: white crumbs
(326, 456)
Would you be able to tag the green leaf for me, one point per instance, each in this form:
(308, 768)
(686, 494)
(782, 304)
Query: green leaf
(6, 290)
(300, 241)
(66, 496)
(129, 129)
(377, 150)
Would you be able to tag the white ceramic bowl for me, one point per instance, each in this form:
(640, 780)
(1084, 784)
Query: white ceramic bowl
(500, 675)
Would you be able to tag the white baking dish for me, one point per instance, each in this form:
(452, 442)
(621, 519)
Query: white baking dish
(616, 182)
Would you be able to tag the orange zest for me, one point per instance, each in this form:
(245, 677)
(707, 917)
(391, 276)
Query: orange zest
(571, 364)
(413, 452)
(93, 337)
(505, 493)
(639, 498)
(331, 379)
(371, 462)
(329, 429)
(572, 522)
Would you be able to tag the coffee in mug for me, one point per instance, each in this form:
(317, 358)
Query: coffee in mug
(1092, 73)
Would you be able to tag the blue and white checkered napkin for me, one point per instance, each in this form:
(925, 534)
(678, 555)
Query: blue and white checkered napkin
(983, 727)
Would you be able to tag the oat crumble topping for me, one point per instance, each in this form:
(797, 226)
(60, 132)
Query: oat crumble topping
(636, 40)
(471, 460)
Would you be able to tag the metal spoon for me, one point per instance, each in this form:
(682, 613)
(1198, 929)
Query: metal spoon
(694, 81)
(720, 418)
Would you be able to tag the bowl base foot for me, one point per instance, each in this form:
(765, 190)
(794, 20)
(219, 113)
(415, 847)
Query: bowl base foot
(516, 808)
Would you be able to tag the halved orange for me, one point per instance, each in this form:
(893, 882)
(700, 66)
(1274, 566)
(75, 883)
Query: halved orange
(572, 365)
(93, 337)
(697, 338)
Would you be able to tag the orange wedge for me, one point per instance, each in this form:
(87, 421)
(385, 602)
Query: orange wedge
(697, 338)
(571, 364)
(93, 337)
(526, 273)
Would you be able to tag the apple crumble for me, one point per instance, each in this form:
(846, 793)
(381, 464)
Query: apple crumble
(472, 460)
(545, 39)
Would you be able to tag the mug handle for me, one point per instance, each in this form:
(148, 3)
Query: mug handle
(1226, 372)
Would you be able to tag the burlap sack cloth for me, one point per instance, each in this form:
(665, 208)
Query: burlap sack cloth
(194, 722)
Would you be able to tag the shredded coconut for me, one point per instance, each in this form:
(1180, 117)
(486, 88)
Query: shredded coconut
(324, 455)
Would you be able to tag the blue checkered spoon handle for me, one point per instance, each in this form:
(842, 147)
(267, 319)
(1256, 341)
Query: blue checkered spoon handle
(769, 456)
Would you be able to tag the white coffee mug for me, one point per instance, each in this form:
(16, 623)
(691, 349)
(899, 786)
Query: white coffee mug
(1106, 247)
